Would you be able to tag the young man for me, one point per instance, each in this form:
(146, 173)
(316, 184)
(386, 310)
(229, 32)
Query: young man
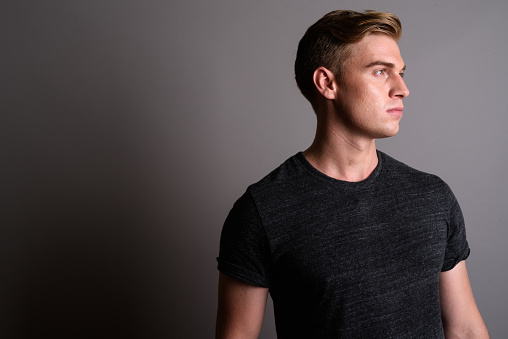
(349, 242)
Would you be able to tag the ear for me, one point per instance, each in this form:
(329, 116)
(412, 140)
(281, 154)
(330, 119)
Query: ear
(324, 80)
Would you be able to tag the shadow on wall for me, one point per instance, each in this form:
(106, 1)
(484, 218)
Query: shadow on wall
(86, 220)
(79, 254)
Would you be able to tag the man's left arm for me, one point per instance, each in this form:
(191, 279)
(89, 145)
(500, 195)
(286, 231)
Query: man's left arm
(461, 318)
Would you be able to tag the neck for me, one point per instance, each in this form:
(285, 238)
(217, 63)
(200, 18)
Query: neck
(341, 154)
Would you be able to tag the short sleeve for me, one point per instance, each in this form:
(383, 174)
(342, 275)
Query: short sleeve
(244, 249)
(457, 248)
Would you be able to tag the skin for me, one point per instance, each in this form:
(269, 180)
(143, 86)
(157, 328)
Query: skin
(365, 104)
(461, 317)
(241, 309)
(352, 112)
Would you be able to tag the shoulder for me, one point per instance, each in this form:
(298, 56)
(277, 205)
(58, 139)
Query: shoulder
(395, 169)
(285, 177)
(406, 177)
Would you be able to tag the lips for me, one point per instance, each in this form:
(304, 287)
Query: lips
(395, 110)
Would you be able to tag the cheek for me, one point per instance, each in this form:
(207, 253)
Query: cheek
(374, 92)
(366, 99)
(355, 96)
(361, 100)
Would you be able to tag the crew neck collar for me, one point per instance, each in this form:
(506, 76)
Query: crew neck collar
(348, 184)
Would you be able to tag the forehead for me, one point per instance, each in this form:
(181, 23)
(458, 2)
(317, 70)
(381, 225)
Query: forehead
(375, 47)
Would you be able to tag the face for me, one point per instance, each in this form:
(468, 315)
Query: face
(370, 92)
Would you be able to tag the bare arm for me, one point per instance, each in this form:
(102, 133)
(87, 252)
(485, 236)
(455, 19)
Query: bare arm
(461, 318)
(241, 309)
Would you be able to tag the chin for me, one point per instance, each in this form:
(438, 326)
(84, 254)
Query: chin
(387, 133)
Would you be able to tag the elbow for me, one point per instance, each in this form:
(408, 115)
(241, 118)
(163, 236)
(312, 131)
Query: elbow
(466, 332)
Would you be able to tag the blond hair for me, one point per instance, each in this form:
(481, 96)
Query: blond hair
(327, 43)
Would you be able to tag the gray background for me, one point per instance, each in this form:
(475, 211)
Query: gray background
(129, 128)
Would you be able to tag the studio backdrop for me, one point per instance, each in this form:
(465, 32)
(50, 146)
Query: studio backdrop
(129, 128)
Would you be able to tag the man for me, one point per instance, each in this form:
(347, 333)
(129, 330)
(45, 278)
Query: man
(349, 242)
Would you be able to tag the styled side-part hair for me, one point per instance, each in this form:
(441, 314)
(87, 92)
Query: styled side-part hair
(327, 43)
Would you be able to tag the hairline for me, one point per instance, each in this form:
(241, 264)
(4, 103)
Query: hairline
(338, 70)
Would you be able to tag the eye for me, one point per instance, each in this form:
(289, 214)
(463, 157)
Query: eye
(380, 72)
(402, 74)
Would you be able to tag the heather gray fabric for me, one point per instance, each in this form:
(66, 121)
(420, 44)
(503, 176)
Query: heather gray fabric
(344, 259)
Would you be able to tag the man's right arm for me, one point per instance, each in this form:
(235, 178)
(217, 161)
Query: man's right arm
(241, 309)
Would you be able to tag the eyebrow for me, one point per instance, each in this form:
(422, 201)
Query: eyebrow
(384, 63)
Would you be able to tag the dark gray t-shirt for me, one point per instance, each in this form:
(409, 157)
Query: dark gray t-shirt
(347, 259)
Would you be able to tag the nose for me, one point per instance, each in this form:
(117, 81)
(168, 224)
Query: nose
(399, 88)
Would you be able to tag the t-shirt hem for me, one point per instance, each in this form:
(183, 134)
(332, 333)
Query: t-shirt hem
(241, 273)
(451, 263)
